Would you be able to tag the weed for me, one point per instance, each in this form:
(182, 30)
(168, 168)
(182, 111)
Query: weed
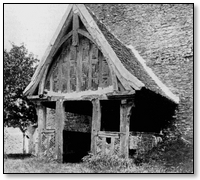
(107, 162)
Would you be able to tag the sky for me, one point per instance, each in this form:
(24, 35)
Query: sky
(31, 24)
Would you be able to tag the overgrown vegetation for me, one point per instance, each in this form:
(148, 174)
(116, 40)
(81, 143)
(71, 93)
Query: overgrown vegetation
(174, 152)
(173, 155)
(107, 163)
(174, 158)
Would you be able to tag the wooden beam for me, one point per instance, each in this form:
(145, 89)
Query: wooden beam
(121, 95)
(73, 69)
(103, 145)
(75, 39)
(51, 83)
(125, 113)
(96, 120)
(100, 58)
(51, 70)
(87, 35)
(90, 67)
(42, 82)
(63, 40)
(31, 144)
(79, 68)
(60, 117)
(109, 134)
(41, 113)
(112, 145)
(60, 76)
(114, 80)
(68, 72)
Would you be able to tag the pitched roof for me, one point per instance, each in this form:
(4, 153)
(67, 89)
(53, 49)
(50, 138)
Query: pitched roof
(134, 63)
(127, 64)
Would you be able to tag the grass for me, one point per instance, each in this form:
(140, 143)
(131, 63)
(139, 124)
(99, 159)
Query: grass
(33, 165)
(174, 157)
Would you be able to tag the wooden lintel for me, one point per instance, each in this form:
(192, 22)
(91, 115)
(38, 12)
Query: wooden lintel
(49, 131)
(121, 95)
(109, 134)
(83, 98)
(38, 98)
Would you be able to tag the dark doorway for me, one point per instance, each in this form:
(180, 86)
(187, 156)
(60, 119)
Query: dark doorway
(110, 115)
(76, 145)
(77, 130)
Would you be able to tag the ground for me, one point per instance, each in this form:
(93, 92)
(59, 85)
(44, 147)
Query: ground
(170, 157)
(33, 165)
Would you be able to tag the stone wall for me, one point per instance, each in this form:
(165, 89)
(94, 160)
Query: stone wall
(73, 122)
(163, 35)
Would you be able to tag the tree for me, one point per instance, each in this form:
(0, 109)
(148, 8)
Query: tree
(19, 67)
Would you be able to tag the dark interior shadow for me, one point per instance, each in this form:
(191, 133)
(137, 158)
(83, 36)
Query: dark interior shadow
(17, 156)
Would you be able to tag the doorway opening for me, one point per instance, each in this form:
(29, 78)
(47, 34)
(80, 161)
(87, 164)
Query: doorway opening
(77, 130)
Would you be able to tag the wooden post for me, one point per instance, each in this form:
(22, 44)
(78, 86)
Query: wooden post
(41, 113)
(75, 30)
(96, 120)
(31, 130)
(112, 145)
(60, 117)
(79, 67)
(125, 113)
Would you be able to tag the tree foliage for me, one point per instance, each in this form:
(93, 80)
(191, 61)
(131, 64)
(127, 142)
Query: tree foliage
(19, 67)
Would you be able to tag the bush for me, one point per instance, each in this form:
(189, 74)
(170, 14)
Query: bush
(175, 155)
(107, 162)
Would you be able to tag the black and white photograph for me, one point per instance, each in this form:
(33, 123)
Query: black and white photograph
(98, 88)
